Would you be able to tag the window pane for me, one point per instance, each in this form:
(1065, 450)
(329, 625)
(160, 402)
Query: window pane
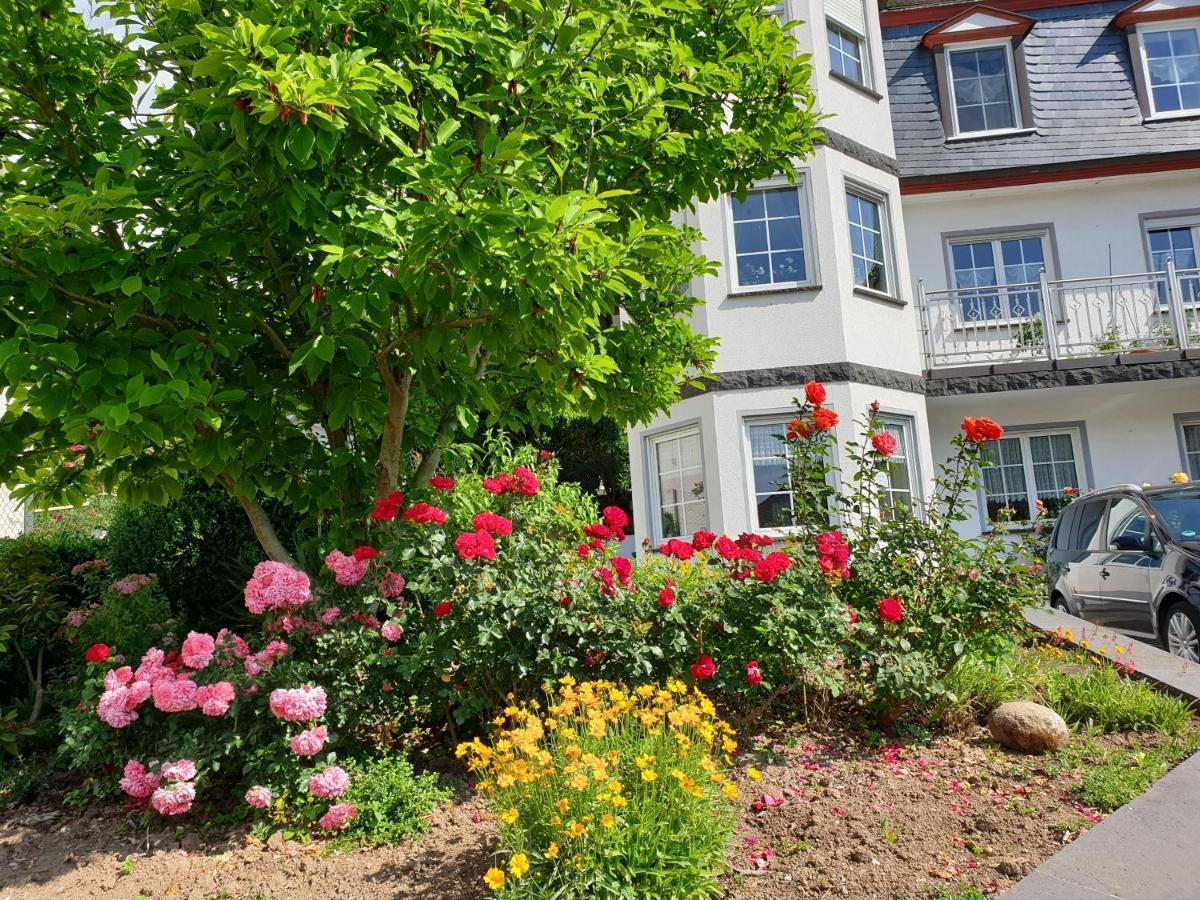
(1088, 523)
(782, 202)
(982, 88)
(1125, 519)
(867, 241)
(845, 53)
(1191, 447)
(750, 208)
(774, 511)
(750, 237)
(767, 223)
(786, 234)
(754, 269)
(1173, 63)
(681, 494)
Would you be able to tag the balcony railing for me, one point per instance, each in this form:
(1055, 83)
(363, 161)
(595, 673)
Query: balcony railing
(1068, 318)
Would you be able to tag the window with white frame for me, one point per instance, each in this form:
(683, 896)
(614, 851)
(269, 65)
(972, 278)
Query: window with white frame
(997, 277)
(900, 485)
(1176, 239)
(870, 241)
(770, 237)
(1189, 437)
(1171, 67)
(846, 33)
(769, 473)
(983, 95)
(1022, 468)
(679, 501)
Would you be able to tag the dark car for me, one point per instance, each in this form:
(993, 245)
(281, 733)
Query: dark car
(1128, 558)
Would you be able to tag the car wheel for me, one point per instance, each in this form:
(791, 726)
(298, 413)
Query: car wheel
(1181, 632)
(1059, 602)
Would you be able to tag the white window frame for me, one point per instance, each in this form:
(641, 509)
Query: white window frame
(654, 487)
(1013, 88)
(1031, 496)
(1162, 223)
(908, 426)
(1183, 423)
(807, 236)
(864, 52)
(997, 257)
(863, 191)
(1144, 62)
(781, 420)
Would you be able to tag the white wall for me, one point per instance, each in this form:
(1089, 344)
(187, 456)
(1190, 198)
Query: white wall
(1096, 225)
(1129, 430)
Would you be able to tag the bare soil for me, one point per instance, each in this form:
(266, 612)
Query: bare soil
(857, 819)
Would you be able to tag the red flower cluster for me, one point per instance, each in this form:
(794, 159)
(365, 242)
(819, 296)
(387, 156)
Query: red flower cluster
(981, 430)
(824, 418)
(424, 514)
(492, 524)
(702, 540)
(753, 675)
(798, 428)
(833, 554)
(521, 481)
(387, 507)
(441, 483)
(891, 610)
(768, 568)
(884, 443)
(814, 393)
(1070, 492)
(472, 544)
(364, 552)
(97, 653)
(442, 610)
(677, 548)
(703, 668)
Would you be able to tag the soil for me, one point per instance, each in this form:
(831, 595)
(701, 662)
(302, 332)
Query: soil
(858, 818)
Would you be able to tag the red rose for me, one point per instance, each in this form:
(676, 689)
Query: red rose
(768, 569)
(364, 552)
(884, 443)
(97, 653)
(798, 428)
(1070, 492)
(824, 419)
(890, 609)
(470, 545)
(442, 610)
(598, 530)
(441, 483)
(492, 523)
(753, 675)
(851, 615)
(424, 514)
(981, 430)
(726, 548)
(666, 598)
(615, 517)
(387, 507)
(565, 602)
(814, 393)
(582, 551)
(702, 540)
(676, 548)
(703, 668)
(623, 568)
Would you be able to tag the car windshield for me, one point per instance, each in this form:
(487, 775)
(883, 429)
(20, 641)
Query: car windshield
(1180, 514)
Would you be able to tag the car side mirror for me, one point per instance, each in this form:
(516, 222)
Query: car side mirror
(1128, 542)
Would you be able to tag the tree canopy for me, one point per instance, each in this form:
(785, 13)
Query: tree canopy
(297, 247)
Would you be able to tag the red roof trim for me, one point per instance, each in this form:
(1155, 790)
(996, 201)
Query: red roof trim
(1133, 15)
(942, 184)
(921, 15)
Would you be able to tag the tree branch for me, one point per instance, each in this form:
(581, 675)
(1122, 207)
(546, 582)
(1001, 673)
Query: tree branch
(260, 522)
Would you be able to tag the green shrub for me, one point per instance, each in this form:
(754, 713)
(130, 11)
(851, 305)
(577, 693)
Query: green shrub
(609, 793)
(128, 623)
(391, 799)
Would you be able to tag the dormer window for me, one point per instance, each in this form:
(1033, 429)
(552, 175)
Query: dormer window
(980, 66)
(1164, 41)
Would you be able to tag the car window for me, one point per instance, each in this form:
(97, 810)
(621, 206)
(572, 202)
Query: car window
(1180, 514)
(1064, 526)
(1125, 520)
(1091, 514)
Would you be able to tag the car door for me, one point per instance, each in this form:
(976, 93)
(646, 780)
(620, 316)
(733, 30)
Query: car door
(1080, 569)
(1125, 569)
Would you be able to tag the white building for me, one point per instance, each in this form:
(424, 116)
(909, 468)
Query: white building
(1030, 140)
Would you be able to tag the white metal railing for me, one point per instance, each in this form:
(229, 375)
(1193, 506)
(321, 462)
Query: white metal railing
(1062, 319)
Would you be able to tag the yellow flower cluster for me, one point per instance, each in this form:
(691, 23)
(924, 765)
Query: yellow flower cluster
(558, 775)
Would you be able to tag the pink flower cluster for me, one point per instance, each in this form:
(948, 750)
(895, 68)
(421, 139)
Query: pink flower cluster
(88, 566)
(338, 816)
(197, 650)
(310, 742)
(276, 586)
(521, 481)
(391, 585)
(391, 632)
(170, 790)
(347, 570)
(259, 797)
(174, 694)
(302, 704)
(230, 648)
(131, 584)
(214, 699)
(265, 658)
(329, 783)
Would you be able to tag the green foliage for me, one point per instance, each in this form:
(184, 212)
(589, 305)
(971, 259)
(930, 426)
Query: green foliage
(20, 779)
(391, 799)
(129, 624)
(1085, 692)
(334, 234)
(30, 616)
(1112, 776)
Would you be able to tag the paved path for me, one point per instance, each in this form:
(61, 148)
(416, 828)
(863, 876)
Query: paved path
(1147, 849)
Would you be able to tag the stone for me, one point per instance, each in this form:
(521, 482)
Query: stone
(1029, 727)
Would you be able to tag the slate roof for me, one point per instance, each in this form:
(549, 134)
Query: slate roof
(1082, 93)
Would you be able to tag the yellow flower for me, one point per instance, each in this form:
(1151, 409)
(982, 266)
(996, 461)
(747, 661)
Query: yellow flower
(606, 820)
(753, 774)
(518, 865)
(619, 802)
(509, 816)
(494, 879)
(1179, 478)
(649, 775)
(563, 805)
(730, 791)
(555, 820)
(552, 851)
(576, 830)
(643, 761)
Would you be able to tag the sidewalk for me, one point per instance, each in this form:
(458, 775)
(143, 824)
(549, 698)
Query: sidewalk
(1147, 849)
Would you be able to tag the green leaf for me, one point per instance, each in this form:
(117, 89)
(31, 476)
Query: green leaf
(131, 285)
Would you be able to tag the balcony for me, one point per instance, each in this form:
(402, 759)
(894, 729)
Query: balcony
(1045, 322)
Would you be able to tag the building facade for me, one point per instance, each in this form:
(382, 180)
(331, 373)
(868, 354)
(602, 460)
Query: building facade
(1003, 220)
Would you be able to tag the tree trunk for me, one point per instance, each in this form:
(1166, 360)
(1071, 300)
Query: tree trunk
(260, 522)
(39, 692)
(429, 462)
(391, 445)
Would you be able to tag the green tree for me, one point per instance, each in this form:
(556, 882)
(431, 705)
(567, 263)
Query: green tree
(297, 247)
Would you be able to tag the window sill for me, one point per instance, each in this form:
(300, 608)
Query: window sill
(855, 85)
(872, 294)
(769, 289)
(985, 135)
(1172, 116)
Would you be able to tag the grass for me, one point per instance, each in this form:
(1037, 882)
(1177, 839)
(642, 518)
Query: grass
(1085, 692)
(957, 892)
(1111, 777)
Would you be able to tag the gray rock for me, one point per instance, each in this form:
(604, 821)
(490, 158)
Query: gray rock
(1027, 726)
